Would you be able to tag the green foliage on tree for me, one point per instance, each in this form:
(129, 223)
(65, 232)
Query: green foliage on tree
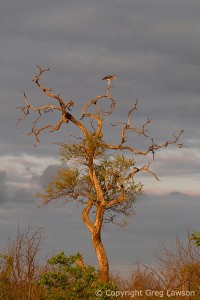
(67, 280)
(114, 172)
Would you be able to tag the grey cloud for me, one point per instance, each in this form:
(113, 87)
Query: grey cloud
(183, 163)
(48, 174)
(21, 195)
(177, 194)
(142, 48)
(3, 188)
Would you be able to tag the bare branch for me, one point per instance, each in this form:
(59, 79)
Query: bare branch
(152, 148)
(64, 107)
(146, 168)
(47, 91)
(99, 116)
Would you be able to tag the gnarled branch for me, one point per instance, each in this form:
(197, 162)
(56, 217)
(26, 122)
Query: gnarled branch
(64, 107)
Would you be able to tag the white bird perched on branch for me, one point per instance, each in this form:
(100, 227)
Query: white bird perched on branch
(109, 78)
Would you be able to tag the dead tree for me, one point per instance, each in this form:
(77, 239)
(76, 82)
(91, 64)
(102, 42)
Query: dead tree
(105, 185)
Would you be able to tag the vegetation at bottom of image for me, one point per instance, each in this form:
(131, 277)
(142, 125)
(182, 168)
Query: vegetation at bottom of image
(65, 277)
(69, 278)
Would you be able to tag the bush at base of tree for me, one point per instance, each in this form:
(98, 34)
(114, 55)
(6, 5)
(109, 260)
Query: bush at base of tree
(68, 280)
(196, 237)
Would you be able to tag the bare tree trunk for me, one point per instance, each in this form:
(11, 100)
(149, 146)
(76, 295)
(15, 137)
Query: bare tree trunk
(98, 245)
(95, 230)
(101, 256)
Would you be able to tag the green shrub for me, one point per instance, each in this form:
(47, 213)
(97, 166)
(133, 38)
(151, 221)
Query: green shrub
(67, 280)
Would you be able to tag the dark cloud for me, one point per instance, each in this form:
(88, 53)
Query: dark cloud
(178, 194)
(21, 195)
(48, 175)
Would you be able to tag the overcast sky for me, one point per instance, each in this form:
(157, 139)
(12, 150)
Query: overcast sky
(153, 47)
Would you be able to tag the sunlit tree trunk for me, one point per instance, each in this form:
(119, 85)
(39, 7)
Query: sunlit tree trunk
(98, 245)
(95, 230)
(101, 256)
